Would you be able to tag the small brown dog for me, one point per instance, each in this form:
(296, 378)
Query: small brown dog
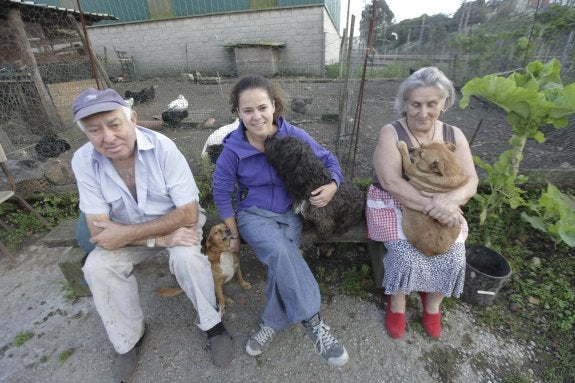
(224, 265)
(433, 168)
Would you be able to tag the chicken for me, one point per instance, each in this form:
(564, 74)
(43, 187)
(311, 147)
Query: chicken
(178, 104)
(173, 117)
(50, 146)
(301, 106)
(146, 94)
(213, 146)
(176, 112)
(195, 77)
(130, 102)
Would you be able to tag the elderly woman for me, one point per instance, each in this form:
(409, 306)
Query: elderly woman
(420, 101)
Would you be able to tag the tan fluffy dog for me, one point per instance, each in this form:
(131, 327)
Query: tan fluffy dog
(433, 168)
(224, 265)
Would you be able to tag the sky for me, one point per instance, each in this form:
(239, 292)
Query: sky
(402, 9)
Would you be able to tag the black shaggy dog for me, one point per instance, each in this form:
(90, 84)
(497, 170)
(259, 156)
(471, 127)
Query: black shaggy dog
(302, 172)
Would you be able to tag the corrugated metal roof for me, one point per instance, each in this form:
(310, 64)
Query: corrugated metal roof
(95, 16)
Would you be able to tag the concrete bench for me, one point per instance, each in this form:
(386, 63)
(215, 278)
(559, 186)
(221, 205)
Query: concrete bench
(64, 235)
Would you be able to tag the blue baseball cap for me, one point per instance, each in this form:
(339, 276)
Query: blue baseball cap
(92, 101)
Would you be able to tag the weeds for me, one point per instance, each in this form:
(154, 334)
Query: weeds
(22, 338)
(355, 280)
(68, 291)
(24, 226)
(64, 355)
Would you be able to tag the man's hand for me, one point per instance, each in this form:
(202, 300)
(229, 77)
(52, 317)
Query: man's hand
(184, 236)
(112, 237)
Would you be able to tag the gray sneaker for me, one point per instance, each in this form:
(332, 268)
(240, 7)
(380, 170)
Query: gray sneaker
(260, 341)
(325, 344)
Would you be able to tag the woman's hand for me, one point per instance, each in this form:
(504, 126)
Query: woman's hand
(234, 245)
(443, 208)
(323, 194)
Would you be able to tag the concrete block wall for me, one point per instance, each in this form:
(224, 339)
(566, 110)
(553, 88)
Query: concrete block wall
(190, 43)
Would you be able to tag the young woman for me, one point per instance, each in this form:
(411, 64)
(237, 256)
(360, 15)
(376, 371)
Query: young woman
(264, 217)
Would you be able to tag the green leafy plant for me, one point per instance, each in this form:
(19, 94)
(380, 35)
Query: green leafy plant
(24, 226)
(531, 99)
(22, 338)
(555, 215)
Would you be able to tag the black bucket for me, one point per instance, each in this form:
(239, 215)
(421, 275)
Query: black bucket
(486, 272)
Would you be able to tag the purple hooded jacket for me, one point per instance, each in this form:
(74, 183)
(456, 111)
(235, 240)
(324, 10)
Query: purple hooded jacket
(257, 182)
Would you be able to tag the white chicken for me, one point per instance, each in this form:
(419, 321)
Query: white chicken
(176, 112)
(213, 146)
(130, 102)
(178, 104)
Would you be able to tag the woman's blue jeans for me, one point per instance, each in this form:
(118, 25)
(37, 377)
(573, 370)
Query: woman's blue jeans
(291, 289)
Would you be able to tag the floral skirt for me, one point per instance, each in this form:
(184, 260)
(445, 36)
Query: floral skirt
(406, 269)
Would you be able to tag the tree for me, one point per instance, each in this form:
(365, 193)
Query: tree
(383, 18)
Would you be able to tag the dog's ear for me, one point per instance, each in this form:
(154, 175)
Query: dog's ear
(450, 146)
(438, 167)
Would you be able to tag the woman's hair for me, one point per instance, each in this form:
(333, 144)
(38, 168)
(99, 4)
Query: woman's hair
(274, 92)
(424, 77)
(125, 109)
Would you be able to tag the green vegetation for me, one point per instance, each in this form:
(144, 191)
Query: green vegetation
(68, 291)
(355, 281)
(24, 226)
(64, 355)
(481, 37)
(22, 338)
(532, 100)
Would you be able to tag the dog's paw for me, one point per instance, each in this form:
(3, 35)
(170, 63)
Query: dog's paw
(402, 146)
(245, 285)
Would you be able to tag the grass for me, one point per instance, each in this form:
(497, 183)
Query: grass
(64, 355)
(68, 291)
(22, 338)
(25, 227)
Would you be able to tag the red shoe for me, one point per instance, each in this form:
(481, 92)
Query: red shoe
(394, 322)
(431, 322)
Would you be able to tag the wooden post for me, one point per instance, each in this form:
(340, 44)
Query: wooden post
(91, 54)
(16, 23)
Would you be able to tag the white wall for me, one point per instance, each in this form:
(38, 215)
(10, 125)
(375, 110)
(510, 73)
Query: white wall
(189, 43)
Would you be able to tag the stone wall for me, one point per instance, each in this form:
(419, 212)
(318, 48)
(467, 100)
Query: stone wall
(198, 43)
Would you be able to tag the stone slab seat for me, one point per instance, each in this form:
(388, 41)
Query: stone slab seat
(64, 235)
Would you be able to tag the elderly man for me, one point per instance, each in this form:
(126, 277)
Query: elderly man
(139, 196)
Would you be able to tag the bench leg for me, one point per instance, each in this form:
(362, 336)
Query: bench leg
(376, 251)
